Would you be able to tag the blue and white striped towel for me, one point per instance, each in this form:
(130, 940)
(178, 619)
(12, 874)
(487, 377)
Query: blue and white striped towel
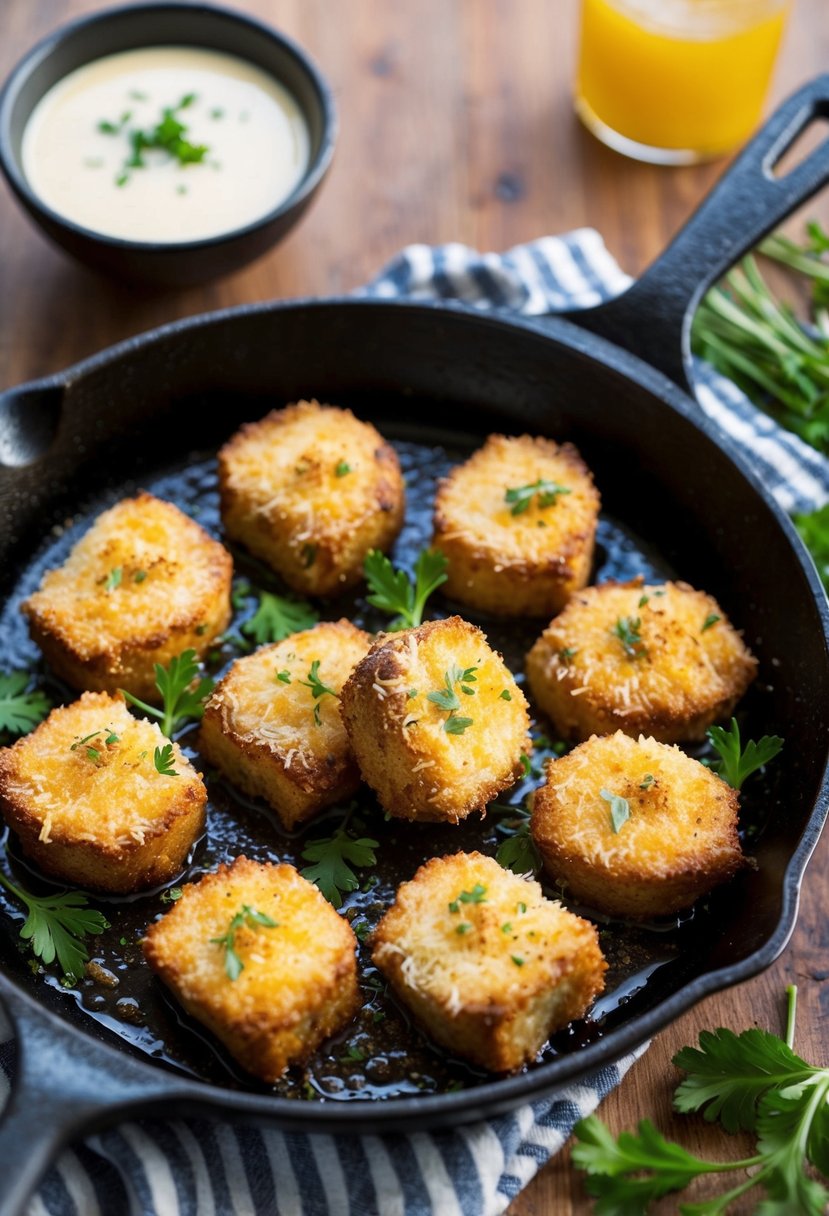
(190, 1168)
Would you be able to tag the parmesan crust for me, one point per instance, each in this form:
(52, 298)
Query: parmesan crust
(418, 768)
(488, 965)
(507, 560)
(141, 586)
(262, 732)
(298, 982)
(98, 814)
(310, 489)
(680, 840)
(689, 668)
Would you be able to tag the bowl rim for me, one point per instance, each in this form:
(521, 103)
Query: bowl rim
(315, 171)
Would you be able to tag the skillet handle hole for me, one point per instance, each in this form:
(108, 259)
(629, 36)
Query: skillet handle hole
(29, 420)
(809, 141)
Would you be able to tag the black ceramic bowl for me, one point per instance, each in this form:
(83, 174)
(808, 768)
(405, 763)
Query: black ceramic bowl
(167, 23)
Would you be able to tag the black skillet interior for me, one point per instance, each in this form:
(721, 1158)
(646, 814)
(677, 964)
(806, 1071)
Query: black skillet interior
(446, 377)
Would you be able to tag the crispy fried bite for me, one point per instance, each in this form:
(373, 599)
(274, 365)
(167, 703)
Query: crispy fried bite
(679, 841)
(295, 966)
(269, 735)
(517, 522)
(86, 798)
(488, 965)
(310, 489)
(436, 721)
(657, 659)
(142, 585)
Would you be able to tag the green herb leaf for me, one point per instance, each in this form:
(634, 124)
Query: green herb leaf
(246, 916)
(446, 698)
(710, 621)
(342, 469)
(20, 710)
(736, 763)
(164, 760)
(505, 695)
(619, 809)
(333, 857)
(113, 579)
(171, 895)
(318, 689)
(394, 592)
(57, 925)
(476, 896)
(520, 497)
(277, 617)
(456, 725)
(627, 630)
(814, 532)
(180, 701)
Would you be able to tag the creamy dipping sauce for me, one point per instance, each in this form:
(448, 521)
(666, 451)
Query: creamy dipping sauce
(165, 144)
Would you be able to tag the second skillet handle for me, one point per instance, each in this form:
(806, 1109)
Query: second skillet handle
(653, 317)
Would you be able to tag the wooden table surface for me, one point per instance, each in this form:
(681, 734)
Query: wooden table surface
(456, 124)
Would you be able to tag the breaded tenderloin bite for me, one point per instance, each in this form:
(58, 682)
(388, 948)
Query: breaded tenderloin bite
(259, 956)
(661, 660)
(436, 721)
(89, 804)
(673, 839)
(310, 489)
(517, 522)
(488, 965)
(142, 585)
(268, 733)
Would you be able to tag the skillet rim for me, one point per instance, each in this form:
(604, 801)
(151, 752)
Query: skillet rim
(499, 1094)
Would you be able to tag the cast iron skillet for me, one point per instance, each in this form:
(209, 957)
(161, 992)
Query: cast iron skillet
(662, 469)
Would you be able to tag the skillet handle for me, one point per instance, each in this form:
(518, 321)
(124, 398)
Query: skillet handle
(65, 1084)
(653, 317)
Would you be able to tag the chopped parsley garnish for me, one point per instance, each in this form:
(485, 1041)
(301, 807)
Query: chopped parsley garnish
(567, 653)
(139, 576)
(627, 630)
(179, 699)
(476, 896)
(506, 695)
(736, 763)
(393, 591)
(710, 621)
(526, 764)
(506, 927)
(519, 962)
(247, 916)
(284, 677)
(342, 468)
(647, 781)
(522, 908)
(169, 135)
(520, 497)
(353, 1053)
(113, 579)
(164, 761)
(276, 616)
(318, 689)
(56, 926)
(92, 752)
(619, 809)
(333, 857)
(20, 711)
(447, 698)
(643, 599)
(463, 927)
(172, 895)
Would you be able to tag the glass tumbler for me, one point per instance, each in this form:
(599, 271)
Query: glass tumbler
(676, 81)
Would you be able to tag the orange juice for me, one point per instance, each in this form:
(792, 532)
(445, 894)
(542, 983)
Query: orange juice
(676, 80)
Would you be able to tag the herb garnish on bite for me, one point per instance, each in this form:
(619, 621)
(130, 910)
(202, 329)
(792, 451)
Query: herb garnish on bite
(619, 808)
(446, 697)
(246, 916)
(520, 497)
(628, 630)
(318, 689)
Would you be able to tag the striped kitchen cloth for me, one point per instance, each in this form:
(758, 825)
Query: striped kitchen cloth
(195, 1168)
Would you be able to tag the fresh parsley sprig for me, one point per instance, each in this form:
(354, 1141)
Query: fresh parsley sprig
(180, 701)
(276, 616)
(517, 851)
(394, 592)
(520, 497)
(164, 760)
(245, 916)
(752, 1081)
(56, 926)
(738, 762)
(21, 708)
(318, 689)
(333, 856)
(628, 629)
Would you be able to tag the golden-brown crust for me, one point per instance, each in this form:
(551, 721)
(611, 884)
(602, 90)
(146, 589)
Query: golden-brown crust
(112, 824)
(298, 984)
(680, 841)
(682, 677)
(490, 978)
(417, 769)
(173, 594)
(282, 497)
(263, 735)
(524, 564)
